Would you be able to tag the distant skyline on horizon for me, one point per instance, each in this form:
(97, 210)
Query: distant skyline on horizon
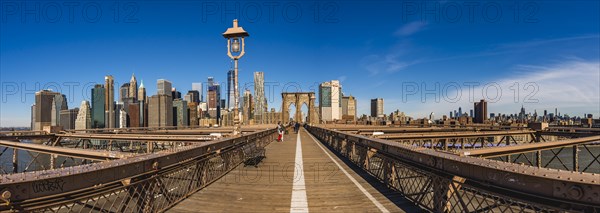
(547, 60)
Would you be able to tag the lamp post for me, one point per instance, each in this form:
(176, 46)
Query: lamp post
(235, 50)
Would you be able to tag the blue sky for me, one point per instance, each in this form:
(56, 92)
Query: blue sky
(540, 54)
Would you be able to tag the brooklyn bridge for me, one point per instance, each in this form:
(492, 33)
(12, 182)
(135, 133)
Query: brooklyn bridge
(321, 168)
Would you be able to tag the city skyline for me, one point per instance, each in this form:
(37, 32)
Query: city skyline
(478, 114)
(563, 66)
(387, 108)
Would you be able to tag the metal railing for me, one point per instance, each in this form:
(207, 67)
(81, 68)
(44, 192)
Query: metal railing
(578, 155)
(443, 182)
(151, 182)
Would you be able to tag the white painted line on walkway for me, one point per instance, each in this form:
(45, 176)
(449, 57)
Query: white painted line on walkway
(362, 189)
(299, 200)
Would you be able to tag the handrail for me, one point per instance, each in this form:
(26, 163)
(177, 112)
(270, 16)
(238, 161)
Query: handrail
(76, 185)
(541, 188)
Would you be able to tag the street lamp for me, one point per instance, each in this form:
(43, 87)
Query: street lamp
(234, 36)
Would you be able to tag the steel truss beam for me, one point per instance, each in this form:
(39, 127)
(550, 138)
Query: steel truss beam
(95, 155)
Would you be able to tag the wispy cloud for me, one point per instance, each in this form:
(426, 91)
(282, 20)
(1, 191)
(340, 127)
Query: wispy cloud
(508, 48)
(572, 86)
(389, 63)
(410, 28)
(539, 42)
(394, 60)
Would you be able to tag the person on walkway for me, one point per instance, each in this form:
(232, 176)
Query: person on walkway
(296, 127)
(280, 131)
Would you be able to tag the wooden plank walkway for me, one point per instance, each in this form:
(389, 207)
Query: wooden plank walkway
(331, 186)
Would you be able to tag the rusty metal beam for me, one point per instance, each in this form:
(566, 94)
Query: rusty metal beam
(413, 130)
(569, 134)
(96, 155)
(142, 137)
(19, 135)
(452, 134)
(170, 129)
(12, 133)
(212, 130)
(347, 127)
(524, 148)
(575, 129)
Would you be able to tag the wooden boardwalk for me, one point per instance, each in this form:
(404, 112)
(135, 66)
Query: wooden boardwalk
(329, 185)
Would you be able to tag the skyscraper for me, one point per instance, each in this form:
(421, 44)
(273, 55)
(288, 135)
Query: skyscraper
(214, 98)
(330, 100)
(194, 96)
(122, 117)
(143, 106)
(164, 87)
(98, 107)
(58, 104)
(202, 109)
(133, 114)
(142, 93)
(180, 113)
(230, 90)
(175, 94)
(133, 93)
(193, 114)
(349, 108)
(54, 114)
(188, 97)
(480, 111)
(109, 103)
(32, 125)
(217, 87)
(213, 101)
(247, 107)
(124, 92)
(259, 97)
(160, 111)
(198, 87)
(377, 108)
(118, 109)
(160, 106)
(68, 118)
(44, 101)
(210, 81)
(143, 114)
(84, 118)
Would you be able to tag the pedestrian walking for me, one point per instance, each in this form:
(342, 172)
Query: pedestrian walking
(297, 127)
(280, 131)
